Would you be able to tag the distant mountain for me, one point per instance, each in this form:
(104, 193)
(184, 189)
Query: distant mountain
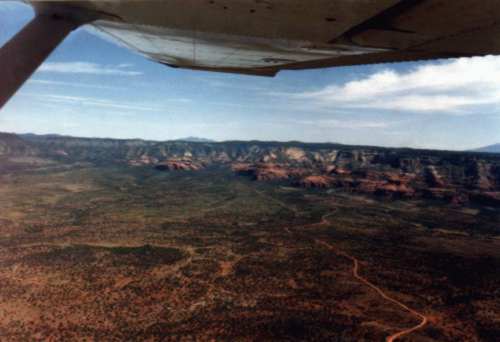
(32, 135)
(495, 148)
(13, 145)
(195, 139)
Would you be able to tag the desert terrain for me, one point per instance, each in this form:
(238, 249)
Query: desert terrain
(117, 240)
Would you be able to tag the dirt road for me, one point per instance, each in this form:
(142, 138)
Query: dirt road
(355, 272)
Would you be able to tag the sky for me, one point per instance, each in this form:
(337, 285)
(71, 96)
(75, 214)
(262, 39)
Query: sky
(92, 87)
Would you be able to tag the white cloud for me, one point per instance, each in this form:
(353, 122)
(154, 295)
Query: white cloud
(344, 124)
(88, 68)
(232, 84)
(457, 86)
(92, 102)
(71, 84)
(125, 65)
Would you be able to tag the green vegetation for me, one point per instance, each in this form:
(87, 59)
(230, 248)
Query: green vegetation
(124, 253)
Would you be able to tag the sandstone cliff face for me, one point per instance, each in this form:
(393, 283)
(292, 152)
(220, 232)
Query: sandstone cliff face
(296, 154)
(388, 175)
(143, 160)
(368, 182)
(433, 178)
(267, 171)
(315, 181)
(481, 176)
(452, 176)
(179, 165)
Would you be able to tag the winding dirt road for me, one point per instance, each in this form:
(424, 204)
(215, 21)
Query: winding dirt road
(355, 272)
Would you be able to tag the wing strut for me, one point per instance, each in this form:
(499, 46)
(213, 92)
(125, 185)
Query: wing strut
(24, 53)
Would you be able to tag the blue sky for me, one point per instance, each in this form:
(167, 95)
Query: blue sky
(91, 87)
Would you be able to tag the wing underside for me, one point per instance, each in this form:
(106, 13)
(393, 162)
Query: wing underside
(266, 36)
(260, 37)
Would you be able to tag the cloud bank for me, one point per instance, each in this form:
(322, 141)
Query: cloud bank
(88, 68)
(342, 124)
(455, 87)
(92, 102)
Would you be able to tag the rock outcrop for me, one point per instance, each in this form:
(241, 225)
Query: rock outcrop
(316, 182)
(179, 165)
(267, 171)
(143, 160)
(404, 173)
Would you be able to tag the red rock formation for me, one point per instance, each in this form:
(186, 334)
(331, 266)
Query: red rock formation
(143, 160)
(398, 178)
(179, 165)
(330, 169)
(394, 190)
(317, 181)
(433, 178)
(242, 168)
(295, 154)
(260, 171)
(340, 171)
(385, 188)
(483, 182)
(271, 172)
(267, 171)
(431, 181)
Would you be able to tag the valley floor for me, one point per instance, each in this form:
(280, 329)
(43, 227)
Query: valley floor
(132, 253)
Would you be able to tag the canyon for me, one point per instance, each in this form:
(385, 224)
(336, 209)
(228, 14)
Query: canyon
(456, 177)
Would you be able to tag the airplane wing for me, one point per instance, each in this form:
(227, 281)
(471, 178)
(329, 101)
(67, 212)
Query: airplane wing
(262, 37)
